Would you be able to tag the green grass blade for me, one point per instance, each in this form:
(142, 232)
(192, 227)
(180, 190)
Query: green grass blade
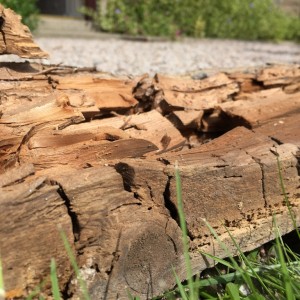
(196, 291)
(273, 281)
(294, 256)
(253, 271)
(296, 288)
(184, 233)
(265, 271)
(232, 291)
(224, 247)
(284, 270)
(206, 295)
(254, 297)
(218, 260)
(223, 279)
(54, 281)
(245, 275)
(74, 265)
(37, 290)
(180, 287)
(283, 247)
(2, 289)
(130, 297)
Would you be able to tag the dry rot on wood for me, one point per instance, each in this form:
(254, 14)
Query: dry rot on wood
(95, 156)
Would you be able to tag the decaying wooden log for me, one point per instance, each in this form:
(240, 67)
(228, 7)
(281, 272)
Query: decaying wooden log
(94, 155)
(101, 166)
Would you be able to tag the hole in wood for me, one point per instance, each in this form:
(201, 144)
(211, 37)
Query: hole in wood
(2, 22)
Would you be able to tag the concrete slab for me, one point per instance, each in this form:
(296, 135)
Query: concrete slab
(70, 27)
(62, 26)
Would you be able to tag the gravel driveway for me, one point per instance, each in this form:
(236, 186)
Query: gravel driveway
(124, 57)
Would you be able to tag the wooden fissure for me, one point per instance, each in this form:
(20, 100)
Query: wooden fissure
(73, 216)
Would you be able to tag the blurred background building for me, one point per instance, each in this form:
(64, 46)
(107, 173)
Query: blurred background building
(64, 7)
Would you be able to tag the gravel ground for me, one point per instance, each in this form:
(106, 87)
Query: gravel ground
(123, 57)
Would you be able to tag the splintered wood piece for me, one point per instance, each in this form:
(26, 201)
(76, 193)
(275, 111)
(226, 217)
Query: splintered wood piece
(151, 126)
(246, 236)
(18, 124)
(43, 112)
(247, 81)
(282, 130)
(17, 71)
(155, 128)
(279, 75)
(193, 94)
(105, 93)
(293, 88)
(18, 96)
(260, 107)
(85, 153)
(15, 37)
(51, 138)
(192, 86)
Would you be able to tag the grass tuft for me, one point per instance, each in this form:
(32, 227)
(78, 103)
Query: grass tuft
(286, 279)
(54, 281)
(2, 290)
(185, 239)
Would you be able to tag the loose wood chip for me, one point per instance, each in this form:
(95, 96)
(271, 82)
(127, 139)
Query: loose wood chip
(194, 94)
(105, 93)
(260, 107)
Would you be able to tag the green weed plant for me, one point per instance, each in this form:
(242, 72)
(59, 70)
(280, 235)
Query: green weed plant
(229, 19)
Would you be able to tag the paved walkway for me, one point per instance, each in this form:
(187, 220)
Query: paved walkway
(59, 26)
